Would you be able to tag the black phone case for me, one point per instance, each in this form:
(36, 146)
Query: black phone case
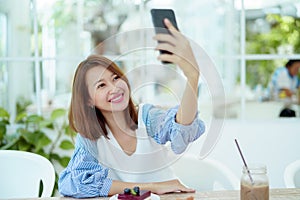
(158, 15)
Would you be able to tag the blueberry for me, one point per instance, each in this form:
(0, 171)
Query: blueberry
(127, 191)
(137, 190)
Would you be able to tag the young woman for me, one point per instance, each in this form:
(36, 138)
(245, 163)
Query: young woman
(121, 145)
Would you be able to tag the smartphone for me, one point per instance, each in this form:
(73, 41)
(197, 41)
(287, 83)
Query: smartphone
(158, 16)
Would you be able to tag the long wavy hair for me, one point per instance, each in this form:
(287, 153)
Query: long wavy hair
(88, 120)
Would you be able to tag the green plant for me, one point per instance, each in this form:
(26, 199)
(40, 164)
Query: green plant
(33, 133)
(283, 31)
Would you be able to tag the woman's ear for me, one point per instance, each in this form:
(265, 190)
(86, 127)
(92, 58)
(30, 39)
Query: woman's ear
(91, 104)
(92, 107)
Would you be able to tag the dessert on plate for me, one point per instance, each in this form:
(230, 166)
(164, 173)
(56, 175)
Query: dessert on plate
(135, 194)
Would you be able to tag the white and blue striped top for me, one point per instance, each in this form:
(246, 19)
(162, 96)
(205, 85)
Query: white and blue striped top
(85, 176)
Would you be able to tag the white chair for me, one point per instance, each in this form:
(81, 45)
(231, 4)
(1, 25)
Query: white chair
(292, 175)
(21, 173)
(204, 175)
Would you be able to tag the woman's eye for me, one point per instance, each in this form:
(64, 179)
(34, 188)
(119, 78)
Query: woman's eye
(100, 85)
(116, 77)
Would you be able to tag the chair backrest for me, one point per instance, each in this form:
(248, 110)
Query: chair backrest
(292, 175)
(21, 173)
(204, 175)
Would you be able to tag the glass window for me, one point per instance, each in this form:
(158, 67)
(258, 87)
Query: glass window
(274, 30)
(54, 36)
(3, 65)
(21, 85)
(272, 38)
(261, 94)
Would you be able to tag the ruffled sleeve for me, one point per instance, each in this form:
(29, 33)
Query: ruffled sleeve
(84, 177)
(161, 125)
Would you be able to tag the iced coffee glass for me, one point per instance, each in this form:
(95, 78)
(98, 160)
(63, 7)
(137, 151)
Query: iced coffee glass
(254, 183)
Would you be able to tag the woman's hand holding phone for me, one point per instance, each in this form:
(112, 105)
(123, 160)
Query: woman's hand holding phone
(183, 56)
(179, 46)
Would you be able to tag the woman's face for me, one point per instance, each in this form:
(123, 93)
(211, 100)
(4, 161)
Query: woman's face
(107, 90)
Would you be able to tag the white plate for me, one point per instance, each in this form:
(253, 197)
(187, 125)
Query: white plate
(153, 197)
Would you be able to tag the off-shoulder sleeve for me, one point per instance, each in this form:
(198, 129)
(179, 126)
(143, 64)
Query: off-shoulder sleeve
(84, 177)
(161, 125)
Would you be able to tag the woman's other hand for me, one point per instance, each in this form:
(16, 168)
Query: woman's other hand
(169, 186)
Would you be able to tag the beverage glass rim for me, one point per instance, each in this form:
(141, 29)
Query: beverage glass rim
(255, 168)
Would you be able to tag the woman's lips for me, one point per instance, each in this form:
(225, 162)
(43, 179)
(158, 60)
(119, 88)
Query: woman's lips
(117, 98)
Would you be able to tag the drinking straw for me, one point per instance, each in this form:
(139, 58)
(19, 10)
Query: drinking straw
(246, 166)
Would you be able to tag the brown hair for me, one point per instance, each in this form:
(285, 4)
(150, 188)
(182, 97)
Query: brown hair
(87, 120)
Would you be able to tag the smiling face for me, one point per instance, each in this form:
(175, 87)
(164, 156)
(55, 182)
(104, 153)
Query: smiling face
(99, 88)
(108, 92)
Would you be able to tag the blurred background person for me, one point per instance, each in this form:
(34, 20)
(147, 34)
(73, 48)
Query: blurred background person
(284, 81)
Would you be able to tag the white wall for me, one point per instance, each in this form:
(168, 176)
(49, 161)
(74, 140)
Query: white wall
(272, 142)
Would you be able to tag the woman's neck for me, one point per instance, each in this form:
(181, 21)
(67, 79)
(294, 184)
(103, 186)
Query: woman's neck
(117, 122)
(120, 128)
